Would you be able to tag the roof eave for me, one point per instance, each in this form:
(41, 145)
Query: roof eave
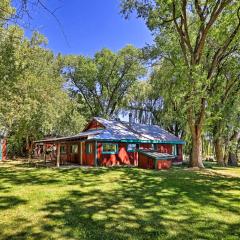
(140, 141)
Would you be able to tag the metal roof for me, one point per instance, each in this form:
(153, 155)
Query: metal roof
(116, 130)
(87, 134)
(156, 155)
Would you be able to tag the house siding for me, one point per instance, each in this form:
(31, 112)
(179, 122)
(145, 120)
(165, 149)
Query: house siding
(146, 162)
(88, 159)
(94, 125)
(123, 157)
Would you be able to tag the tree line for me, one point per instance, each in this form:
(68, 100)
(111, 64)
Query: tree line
(187, 81)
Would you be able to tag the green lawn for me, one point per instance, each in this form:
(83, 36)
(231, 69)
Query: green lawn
(118, 203)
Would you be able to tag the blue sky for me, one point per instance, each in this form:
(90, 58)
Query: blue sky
(89, 25)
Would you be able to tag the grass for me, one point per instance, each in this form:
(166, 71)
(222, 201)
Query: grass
(118, 203)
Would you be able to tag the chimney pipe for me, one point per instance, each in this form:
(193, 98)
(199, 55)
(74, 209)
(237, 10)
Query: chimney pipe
(130, 119)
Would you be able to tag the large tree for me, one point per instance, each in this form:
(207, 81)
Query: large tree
(157, 101)
(103, 81)
(225, 109)
(206, 33)
(31, 85)
(32, 94)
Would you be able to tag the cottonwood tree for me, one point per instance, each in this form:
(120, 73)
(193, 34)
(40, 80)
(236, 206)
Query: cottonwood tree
(206, 33)
(225, 109)
(142, 103)
(33, 102)
(155, 101)
(103, 81)
(167, 85)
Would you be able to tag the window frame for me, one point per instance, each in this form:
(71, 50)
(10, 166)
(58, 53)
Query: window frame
(132, 150)
(89, 146)
(72, 149)
(65, 149)
(174, 150)
(112, 152)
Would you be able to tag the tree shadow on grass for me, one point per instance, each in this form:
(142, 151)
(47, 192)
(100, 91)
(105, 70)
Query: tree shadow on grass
(7, 202)
(25, 175)
(26, 230)
(148, 205)
(125, 203)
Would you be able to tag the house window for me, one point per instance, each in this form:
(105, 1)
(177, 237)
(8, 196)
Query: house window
(63, 149)
(109, 148)
(153, 146)
(74, 148)
(131, 147)
(147, 146)
(174, 150)
(89, 148)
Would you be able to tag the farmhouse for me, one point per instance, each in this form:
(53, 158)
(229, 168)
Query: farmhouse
(114, 142)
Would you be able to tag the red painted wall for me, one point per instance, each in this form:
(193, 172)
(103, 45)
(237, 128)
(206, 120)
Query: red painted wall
(164, 164)
(164, 148)
(180, 153)
(167, 148)
(145, 145)
(88, 159)
(131, 158)
(93, 125)
(147, 162)
(123, 157)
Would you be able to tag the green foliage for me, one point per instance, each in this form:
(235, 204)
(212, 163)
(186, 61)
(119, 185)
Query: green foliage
(33, 102)
(6, 11)
(102, 82)
(196, 38)
(142, 102)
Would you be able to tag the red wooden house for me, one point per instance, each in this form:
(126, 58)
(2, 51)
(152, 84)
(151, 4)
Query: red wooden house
(113, 142)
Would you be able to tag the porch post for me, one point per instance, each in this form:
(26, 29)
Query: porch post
(81, 153)
(96, 153)
(44, 153)
(58, 154)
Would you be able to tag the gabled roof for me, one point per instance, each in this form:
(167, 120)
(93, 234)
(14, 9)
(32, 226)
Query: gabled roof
(116, 130)
(120, 130)
(86, 134)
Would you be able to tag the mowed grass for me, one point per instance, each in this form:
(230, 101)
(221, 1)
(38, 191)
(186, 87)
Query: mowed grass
(118, 203)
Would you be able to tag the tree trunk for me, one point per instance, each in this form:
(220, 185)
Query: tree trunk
(196, 156)
(218, 146)
(232, 159)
